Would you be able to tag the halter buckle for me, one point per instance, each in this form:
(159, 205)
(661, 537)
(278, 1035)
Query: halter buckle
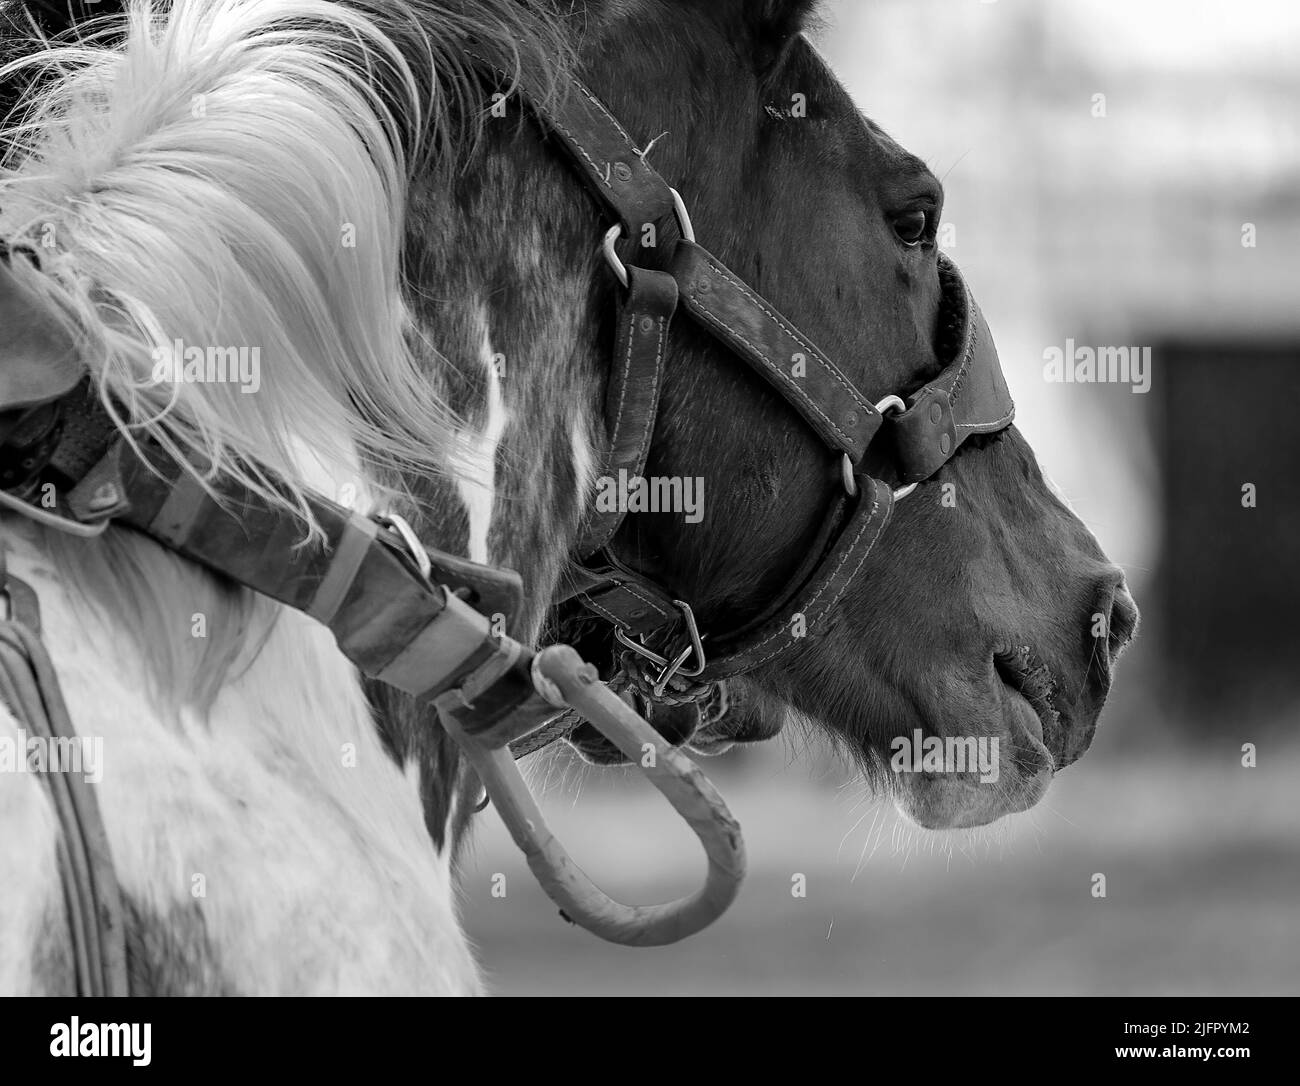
(671, 669)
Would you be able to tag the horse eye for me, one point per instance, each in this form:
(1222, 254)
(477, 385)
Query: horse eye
(911, 227)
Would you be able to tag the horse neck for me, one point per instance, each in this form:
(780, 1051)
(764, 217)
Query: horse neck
(500, 298)
(505, 292)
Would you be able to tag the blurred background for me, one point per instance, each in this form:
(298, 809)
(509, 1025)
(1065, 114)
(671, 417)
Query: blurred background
(1118, 174)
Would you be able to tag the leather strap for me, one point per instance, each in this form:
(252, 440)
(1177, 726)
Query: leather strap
(604, 154)
(29, 686)
(635, 604)
(803, 611)
(632, 394)
(722, 304)
(621, 595)
(607, 158)
(425, 635)
(969, 397)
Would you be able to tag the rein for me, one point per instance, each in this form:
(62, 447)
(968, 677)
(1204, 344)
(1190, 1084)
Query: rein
(436, 626)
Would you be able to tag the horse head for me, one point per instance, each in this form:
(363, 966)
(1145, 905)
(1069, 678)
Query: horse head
(986, 613)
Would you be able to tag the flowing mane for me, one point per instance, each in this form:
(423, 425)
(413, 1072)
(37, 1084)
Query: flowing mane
(157, 210)
(206, 202)
(235, 298)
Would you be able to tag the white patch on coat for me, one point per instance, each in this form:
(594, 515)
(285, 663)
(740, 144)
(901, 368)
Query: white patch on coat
(342, 483)
(476, 452)
(31, 898)
(279, 819)
(584, 462)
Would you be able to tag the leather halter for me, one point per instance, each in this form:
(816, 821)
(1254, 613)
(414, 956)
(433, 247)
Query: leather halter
(915, 436)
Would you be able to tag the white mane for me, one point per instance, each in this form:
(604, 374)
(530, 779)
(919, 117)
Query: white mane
(228, 180)
(227, 177)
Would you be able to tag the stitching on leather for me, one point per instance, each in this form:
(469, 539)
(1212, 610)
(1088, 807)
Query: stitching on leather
(982, 427)
(651, 172)
(606, 613)
(554, 118)
(774, 368)
(622, 392)
(748, 663)
(646, 599)
(831, 369)
(577, 145)
(587, 94)
(646, 431)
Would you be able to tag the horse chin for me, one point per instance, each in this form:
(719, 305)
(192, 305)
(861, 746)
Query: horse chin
(1014, 772)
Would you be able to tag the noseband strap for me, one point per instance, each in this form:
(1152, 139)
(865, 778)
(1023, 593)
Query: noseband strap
(969, 397)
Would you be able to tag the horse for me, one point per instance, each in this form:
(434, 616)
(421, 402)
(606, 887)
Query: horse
(987, 612)
(452, 364)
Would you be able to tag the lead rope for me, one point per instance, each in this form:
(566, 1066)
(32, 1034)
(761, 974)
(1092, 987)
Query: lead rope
(558, 727)
(715, 700)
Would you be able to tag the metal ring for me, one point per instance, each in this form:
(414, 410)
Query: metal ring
(411, 541)
(637, 647)
(697, 642)
(846, 470)
(683, 216)
(661, 683)
(611, 256)
(895, 403)
(668, 670)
